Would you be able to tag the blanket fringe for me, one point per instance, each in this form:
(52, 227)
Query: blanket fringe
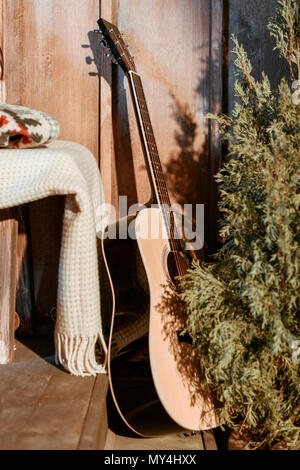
(77, 354)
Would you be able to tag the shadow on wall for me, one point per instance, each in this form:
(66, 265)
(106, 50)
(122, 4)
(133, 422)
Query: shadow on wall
(121, 130)
(191, 169)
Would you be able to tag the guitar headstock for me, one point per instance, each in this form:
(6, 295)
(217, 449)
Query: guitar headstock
(117, 49)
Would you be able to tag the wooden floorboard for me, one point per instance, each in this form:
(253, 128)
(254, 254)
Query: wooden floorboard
(172, 442)
(8, 283)
(95, 429)
(120, 437)
(42, 407)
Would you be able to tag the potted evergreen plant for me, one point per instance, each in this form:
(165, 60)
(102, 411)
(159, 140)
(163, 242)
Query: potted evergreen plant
(243, 308)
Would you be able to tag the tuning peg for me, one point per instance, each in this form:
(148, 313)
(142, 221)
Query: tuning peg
(103, 43)
(108, 54)
(97, 31)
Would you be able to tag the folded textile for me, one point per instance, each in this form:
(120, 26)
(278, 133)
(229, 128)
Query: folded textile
(66, 168)
(23, 127)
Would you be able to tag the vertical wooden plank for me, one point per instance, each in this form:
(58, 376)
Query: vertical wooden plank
(95, 428)
(46, 68)
(107, 156)
(46, 65)
(1, 24)
(2, 93)
(248, 21)
(8, 282)
(216, 99)
(169, 69)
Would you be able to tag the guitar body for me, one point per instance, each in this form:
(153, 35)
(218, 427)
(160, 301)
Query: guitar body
(152, 371)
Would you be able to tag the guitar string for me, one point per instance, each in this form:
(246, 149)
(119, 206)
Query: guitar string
(162, 190)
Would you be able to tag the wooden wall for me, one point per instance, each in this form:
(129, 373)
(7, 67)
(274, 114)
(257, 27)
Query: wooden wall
(45, 63)
(46, 44)
(248, 20)
(1, 25)
(178, 52)
(53, 62)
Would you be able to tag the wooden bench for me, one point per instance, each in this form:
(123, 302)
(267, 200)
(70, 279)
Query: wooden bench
(16, 278)
(42, 406)
(8, 282)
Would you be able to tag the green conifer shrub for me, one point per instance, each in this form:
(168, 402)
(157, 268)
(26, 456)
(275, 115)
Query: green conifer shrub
(243, 307)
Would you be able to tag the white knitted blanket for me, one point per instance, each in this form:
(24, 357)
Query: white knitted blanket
(66, 168)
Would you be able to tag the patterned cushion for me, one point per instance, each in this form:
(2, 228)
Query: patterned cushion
(22, 127)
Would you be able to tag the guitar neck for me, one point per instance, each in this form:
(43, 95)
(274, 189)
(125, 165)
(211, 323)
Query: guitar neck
(148, 140)
(152, 157)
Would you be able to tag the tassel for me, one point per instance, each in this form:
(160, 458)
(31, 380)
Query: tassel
(77, 354)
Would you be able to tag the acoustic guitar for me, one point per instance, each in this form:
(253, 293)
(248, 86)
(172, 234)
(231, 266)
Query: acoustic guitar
(152, 367)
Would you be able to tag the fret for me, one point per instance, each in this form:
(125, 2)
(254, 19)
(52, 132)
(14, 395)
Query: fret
(150, 137)
(146, 121)
(158, 169)
(137, 81)
(159, 172)
(141, 99)
(154, 157)
(149, 129)
(145, 118)
(140, 95)
(143, 107)
(145, 115)
(161, 181)
(152, 148)
(138, 84)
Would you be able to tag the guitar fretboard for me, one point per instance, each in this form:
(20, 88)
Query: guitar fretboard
(158, 179)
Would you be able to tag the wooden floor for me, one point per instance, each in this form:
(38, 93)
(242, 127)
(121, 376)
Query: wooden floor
(42, 407)
(174, 442)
